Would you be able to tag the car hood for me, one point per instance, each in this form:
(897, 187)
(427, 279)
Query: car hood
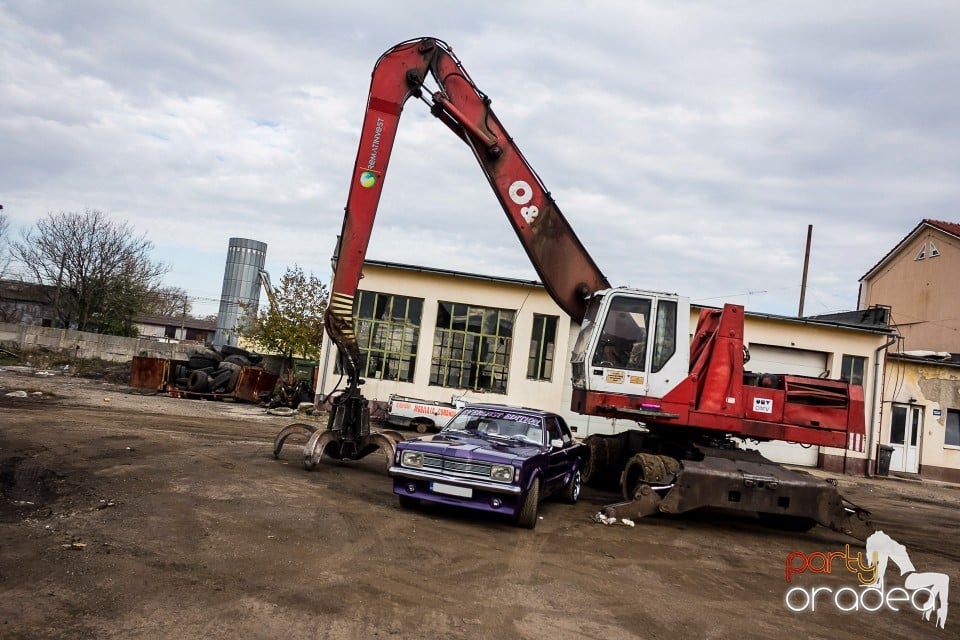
(470, 448)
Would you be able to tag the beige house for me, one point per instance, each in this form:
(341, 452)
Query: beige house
(921, 415)
(920, 406)
(917, 279)
(435, 334)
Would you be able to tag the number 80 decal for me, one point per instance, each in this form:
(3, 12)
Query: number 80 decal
(521, 194)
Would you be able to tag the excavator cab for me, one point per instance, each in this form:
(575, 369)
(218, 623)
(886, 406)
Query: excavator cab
(632, 342)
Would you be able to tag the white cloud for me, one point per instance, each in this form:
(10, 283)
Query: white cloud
(690, 145)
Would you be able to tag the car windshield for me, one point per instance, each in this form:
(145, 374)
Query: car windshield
(498, 424)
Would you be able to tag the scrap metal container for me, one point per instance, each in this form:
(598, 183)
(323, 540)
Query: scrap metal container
(241, 287)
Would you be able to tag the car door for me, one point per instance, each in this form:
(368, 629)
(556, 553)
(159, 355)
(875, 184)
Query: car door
(560, 441)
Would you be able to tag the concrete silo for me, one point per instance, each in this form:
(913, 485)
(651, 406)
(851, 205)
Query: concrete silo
(241, 287)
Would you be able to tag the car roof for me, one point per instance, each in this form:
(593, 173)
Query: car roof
(503, 407)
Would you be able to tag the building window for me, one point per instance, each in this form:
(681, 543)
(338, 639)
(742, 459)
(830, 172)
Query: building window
(388, 330)
(934, 252)
(542, 344)
(923, 252)
(952, 435)
(471, 347)
(851, 369)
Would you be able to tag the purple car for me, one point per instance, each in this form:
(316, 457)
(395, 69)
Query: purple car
(492, 458)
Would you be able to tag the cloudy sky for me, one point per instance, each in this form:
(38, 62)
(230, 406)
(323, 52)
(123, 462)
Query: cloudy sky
(689, 144)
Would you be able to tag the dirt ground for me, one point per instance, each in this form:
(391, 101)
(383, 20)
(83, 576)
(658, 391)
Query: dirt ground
(132, 516)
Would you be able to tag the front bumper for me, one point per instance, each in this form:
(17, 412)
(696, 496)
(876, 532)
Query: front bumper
(473, 483)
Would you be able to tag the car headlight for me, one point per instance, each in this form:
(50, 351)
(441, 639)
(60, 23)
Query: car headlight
(501, 473)
(411, 459)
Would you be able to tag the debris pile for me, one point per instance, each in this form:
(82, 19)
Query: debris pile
(211, 370)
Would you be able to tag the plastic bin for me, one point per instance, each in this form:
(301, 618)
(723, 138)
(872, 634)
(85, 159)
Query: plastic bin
(883, 459)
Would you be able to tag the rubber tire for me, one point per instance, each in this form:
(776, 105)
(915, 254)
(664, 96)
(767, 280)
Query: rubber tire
(220, 379)
(199, 382)
(527, 518)
(237, 359)
(232, 382)
(210, 354)
(408, 502)
(228, 350)
(198, 362)
(422, 425)
(571, 492)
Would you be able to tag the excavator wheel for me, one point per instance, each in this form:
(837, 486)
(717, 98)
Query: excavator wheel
(647, 468)
(600, 469)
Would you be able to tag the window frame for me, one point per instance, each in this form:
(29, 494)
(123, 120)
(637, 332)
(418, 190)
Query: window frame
(485, 334)
(386, 331)
(847, 367)
(946, 431)
(543, 349)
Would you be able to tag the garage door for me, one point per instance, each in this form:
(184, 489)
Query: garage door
(766, 358)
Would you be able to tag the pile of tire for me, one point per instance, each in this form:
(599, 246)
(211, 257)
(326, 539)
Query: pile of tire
(212, 370)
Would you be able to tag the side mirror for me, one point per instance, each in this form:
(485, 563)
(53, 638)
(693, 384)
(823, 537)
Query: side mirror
(556, 443)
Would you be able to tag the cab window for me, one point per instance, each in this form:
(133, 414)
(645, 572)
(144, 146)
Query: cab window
(623, 340)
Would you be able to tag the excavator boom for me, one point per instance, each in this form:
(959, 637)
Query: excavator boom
(562, 263)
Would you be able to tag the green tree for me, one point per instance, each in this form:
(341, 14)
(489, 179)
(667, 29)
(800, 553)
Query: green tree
(292, 324)
(100, 270)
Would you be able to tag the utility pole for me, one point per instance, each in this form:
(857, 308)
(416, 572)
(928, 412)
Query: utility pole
(806, 265)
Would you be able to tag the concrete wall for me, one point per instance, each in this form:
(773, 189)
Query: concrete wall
(81, 344)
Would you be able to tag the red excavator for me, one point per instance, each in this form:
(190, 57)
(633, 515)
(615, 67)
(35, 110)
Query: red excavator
(690, 407)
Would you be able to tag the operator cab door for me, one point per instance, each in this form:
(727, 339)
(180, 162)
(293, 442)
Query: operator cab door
(638, 343)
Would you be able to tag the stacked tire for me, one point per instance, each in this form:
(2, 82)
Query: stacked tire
(211, 370)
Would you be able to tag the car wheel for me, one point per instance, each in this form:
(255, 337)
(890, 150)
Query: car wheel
(527, 518)
(571, 492)
(422, 425)
(408, 502)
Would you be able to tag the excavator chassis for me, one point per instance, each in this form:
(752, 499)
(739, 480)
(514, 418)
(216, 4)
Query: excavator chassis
(741, 481)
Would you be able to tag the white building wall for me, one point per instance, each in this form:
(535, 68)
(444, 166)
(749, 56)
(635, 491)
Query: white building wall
(526, 299)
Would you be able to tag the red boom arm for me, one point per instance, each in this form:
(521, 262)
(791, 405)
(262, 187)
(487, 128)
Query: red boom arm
(566, 269)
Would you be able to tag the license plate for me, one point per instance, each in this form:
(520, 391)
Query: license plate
(451, 490)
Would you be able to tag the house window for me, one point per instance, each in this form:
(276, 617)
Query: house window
(388, 330)
(542, 345)
(934, 252)
(952, 435)
(851, 369)
(923, 252)
(471, 347)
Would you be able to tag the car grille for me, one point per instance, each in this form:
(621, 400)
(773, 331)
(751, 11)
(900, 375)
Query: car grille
(457, 467)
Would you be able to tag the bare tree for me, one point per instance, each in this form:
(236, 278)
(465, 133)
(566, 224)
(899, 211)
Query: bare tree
(100, 270)
(167, 301)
